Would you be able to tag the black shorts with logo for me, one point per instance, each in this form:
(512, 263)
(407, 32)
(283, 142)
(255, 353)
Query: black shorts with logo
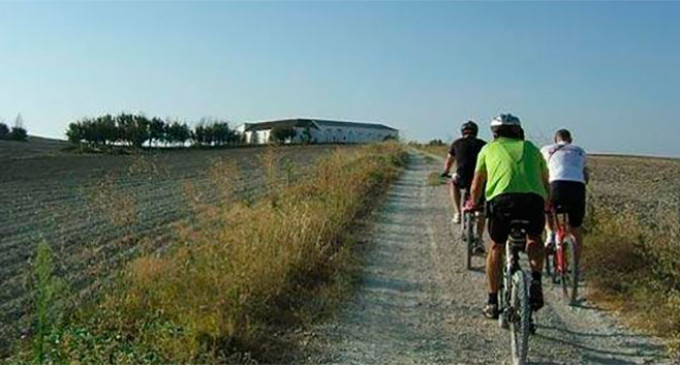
(504, 208)
(569, 197)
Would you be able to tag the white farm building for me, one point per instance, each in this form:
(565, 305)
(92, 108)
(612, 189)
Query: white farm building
(318, 131)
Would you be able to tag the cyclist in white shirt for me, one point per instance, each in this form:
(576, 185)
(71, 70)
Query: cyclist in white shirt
(568, 178)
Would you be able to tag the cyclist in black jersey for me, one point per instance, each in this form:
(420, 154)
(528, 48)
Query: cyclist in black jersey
(464, 153)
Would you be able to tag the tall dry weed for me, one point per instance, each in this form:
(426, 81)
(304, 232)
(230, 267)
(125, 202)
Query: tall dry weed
(631, 263)
(252, 268)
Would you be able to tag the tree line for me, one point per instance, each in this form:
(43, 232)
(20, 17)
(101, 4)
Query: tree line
(137, 130)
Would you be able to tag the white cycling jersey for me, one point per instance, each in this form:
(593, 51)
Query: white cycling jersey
(566, 162)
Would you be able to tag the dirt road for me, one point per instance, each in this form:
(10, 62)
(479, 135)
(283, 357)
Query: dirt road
(418, 304)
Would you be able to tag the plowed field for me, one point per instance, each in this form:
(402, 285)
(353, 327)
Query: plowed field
(97, 211)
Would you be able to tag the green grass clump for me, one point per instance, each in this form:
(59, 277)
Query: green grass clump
(220, 294)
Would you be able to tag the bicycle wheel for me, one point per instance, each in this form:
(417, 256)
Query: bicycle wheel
(521, 321)
(548, 270)
(572, 270)
(503, 296)
(470, 238)
(563, 268)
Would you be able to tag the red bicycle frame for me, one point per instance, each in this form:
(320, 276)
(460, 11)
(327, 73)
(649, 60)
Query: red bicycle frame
(566, 245)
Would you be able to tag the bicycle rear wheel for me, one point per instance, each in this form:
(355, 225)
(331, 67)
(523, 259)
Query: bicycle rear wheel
(469, 238)
(520, 322)
(563, 260)
(572, 270)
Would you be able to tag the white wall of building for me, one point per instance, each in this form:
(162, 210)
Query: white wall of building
(327, 134)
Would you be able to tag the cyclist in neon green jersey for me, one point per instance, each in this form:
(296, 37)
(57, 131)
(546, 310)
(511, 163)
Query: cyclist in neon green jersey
(517, 188)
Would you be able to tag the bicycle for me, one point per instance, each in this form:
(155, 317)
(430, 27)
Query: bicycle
(469, 229)
(565, 258)
(514, 306)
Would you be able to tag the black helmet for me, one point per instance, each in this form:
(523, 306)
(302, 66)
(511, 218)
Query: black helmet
(469, 126)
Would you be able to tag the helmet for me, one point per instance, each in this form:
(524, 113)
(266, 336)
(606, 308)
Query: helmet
(505, 119)
(469, 126)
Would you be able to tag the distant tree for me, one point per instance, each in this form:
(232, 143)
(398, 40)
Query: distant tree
(178, 133)
(435, 142)
(221, 134)
(200, 134)
(157, 130)
(282, 134)
(133, 129)
(107, 131)
(74, 133)
(18, 134)
(4, 131)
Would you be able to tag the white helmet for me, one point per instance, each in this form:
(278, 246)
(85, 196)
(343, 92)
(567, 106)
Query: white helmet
(505, 119)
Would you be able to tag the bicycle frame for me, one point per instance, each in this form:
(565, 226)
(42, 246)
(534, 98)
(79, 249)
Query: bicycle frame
(469, 229)
(561, 236)
(564, 243)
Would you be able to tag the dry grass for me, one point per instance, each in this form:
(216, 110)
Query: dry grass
(223, 290)
(632, 267)
(437, 150)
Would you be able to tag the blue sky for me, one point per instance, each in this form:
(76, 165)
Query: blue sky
(608, 71)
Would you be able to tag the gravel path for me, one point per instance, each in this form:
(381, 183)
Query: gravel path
(418, 304)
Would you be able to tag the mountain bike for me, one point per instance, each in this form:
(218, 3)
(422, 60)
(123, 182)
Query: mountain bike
(469, 226)
(565, 261)
(514, 306)
(469, 232)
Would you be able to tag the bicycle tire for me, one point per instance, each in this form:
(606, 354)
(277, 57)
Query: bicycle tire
(564, 268)
(548, 270)
(470, 238)
(555, 268)
(520, 325)
(573, 272)
(503, 297)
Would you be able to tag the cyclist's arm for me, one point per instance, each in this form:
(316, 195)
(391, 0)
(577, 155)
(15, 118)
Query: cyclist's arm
(545, 179)
(478, 185)
(448, 163)
(545, 176)
(476, 190)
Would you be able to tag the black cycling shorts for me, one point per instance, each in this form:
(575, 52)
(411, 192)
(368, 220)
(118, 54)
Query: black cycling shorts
(505, 208)
(569, 197)
(461, 182)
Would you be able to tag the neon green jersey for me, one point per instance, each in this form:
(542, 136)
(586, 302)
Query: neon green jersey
(512, 166)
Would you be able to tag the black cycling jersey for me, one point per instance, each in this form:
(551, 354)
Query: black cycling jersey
(465, 151)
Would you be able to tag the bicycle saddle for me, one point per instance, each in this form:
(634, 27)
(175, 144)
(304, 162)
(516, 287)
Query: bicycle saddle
(518, 229)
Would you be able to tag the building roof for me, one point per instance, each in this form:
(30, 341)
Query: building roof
(312, 123)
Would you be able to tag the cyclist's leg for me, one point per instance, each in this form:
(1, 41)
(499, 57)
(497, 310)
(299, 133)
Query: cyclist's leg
(550, 219)
(480, 228)
(577, 209)
(536, 252)
(455, 196)
(493, 265)
(499, 229)
(481, 220)
(533, 211)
